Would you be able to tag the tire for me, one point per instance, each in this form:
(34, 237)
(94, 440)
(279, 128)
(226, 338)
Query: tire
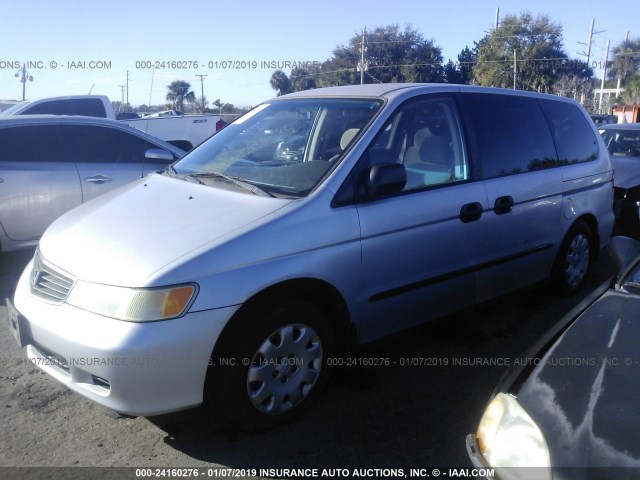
(574, 260)
(280, 355)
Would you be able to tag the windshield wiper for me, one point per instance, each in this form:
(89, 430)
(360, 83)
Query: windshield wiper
(237, 181)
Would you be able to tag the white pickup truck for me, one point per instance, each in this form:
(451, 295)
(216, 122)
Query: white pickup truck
(183, 131)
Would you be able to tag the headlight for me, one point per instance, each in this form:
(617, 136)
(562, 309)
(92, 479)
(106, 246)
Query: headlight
(132, 304)
(508, 437)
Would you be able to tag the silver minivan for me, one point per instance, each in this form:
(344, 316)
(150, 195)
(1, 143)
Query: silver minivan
(320, 219)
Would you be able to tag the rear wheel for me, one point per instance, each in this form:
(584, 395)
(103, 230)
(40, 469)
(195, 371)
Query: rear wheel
(280, 356)
(574, 260)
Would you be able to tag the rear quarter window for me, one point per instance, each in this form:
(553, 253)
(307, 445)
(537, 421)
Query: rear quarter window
(574, 137)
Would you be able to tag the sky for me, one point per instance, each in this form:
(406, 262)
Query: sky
(77, 47)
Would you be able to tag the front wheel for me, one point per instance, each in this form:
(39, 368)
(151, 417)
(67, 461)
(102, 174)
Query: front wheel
(574, 260)
(276, 365)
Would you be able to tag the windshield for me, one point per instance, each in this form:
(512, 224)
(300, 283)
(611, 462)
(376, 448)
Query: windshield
(284, 148)
(622, 142)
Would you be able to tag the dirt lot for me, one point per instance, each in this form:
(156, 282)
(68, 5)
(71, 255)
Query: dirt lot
(369, 417)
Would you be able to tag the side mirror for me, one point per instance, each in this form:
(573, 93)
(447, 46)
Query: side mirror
(158, 154)
(385, 179)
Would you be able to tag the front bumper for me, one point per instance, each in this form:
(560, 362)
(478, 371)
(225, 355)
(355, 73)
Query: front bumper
(473, 450)
(133, 368)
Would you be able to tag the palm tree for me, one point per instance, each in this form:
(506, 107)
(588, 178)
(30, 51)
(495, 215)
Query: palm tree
(179, 91)
(626, 60)
(280, 82)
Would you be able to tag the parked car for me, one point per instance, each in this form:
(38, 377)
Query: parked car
(600, 120)
(569, 407)
(172, 126)
(48, 165)
(623, 143)
(238, 277)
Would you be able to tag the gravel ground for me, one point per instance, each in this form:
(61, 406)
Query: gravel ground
(369, 417)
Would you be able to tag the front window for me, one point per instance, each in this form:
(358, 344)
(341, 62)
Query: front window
(284, 148)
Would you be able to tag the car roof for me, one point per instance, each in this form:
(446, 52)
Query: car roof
(620, 126)
(367, 90)
(18, 120)
(392, 90)
(42, 118)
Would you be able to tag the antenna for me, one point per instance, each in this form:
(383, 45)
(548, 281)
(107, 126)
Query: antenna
(91, 89)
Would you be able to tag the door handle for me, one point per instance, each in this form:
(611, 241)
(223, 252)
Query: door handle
(99, 179)
(470, 212)
(503, 205)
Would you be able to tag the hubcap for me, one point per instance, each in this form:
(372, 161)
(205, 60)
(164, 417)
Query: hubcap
(577, 260)
(284, 369)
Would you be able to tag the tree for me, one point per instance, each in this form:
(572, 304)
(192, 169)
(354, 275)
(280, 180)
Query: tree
(280, 83)
(201, 104)
(391, 55)
(179, 92)
(578, 87)
(631, 93)
(626, 60)
(303, 78)
(540, 59)
(461, 71)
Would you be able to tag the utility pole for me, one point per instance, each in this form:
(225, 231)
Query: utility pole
(588, 52)
(127, 104)
(362, 64)
(497, 17)
(626, 39)
(515, 68)
(604, 75)
(593, 22)
(24, 76)
(122, 88)
(202, 77)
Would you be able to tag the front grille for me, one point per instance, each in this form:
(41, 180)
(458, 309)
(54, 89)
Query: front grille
(49, 283)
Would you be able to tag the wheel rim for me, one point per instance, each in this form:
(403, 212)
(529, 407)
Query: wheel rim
(284, 369)
(577, 260)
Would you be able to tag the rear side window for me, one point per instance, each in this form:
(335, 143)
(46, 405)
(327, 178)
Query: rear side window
(88, 107)
(511, 134)
(575, 139)
(31, 143)
(83, 143)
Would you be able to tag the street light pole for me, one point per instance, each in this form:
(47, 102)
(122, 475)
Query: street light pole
(23, 75)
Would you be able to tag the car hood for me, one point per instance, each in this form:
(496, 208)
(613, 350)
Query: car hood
(627, 171)
(584, 393)
(123, 237)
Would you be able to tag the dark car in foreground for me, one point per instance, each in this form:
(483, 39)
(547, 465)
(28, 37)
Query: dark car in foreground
(623, 143)
(569, 409)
